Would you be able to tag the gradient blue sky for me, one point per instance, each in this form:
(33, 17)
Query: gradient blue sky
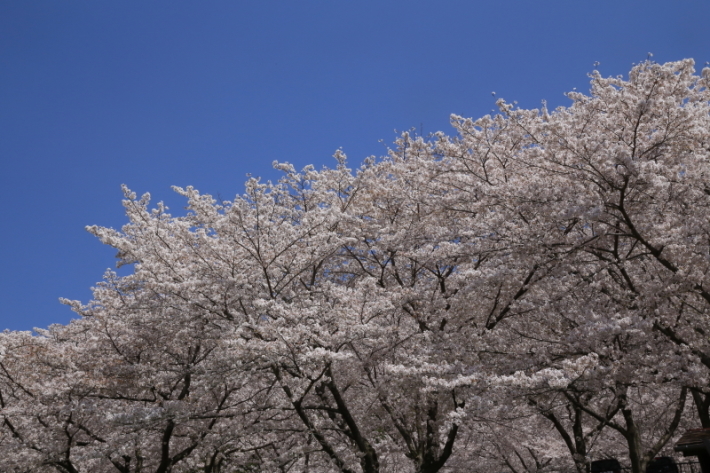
(94, 94)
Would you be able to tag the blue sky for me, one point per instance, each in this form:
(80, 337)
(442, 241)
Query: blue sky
(94, 94)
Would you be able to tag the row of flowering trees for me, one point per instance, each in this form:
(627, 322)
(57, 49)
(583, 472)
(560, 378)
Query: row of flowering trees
(530, 295)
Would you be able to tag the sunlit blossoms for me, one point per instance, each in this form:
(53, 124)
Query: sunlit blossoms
(528, 295)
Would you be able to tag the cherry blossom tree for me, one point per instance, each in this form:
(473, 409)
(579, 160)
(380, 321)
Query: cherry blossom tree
(529, 294)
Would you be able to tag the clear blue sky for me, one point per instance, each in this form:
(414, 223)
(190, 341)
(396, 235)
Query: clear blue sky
(98, 93)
